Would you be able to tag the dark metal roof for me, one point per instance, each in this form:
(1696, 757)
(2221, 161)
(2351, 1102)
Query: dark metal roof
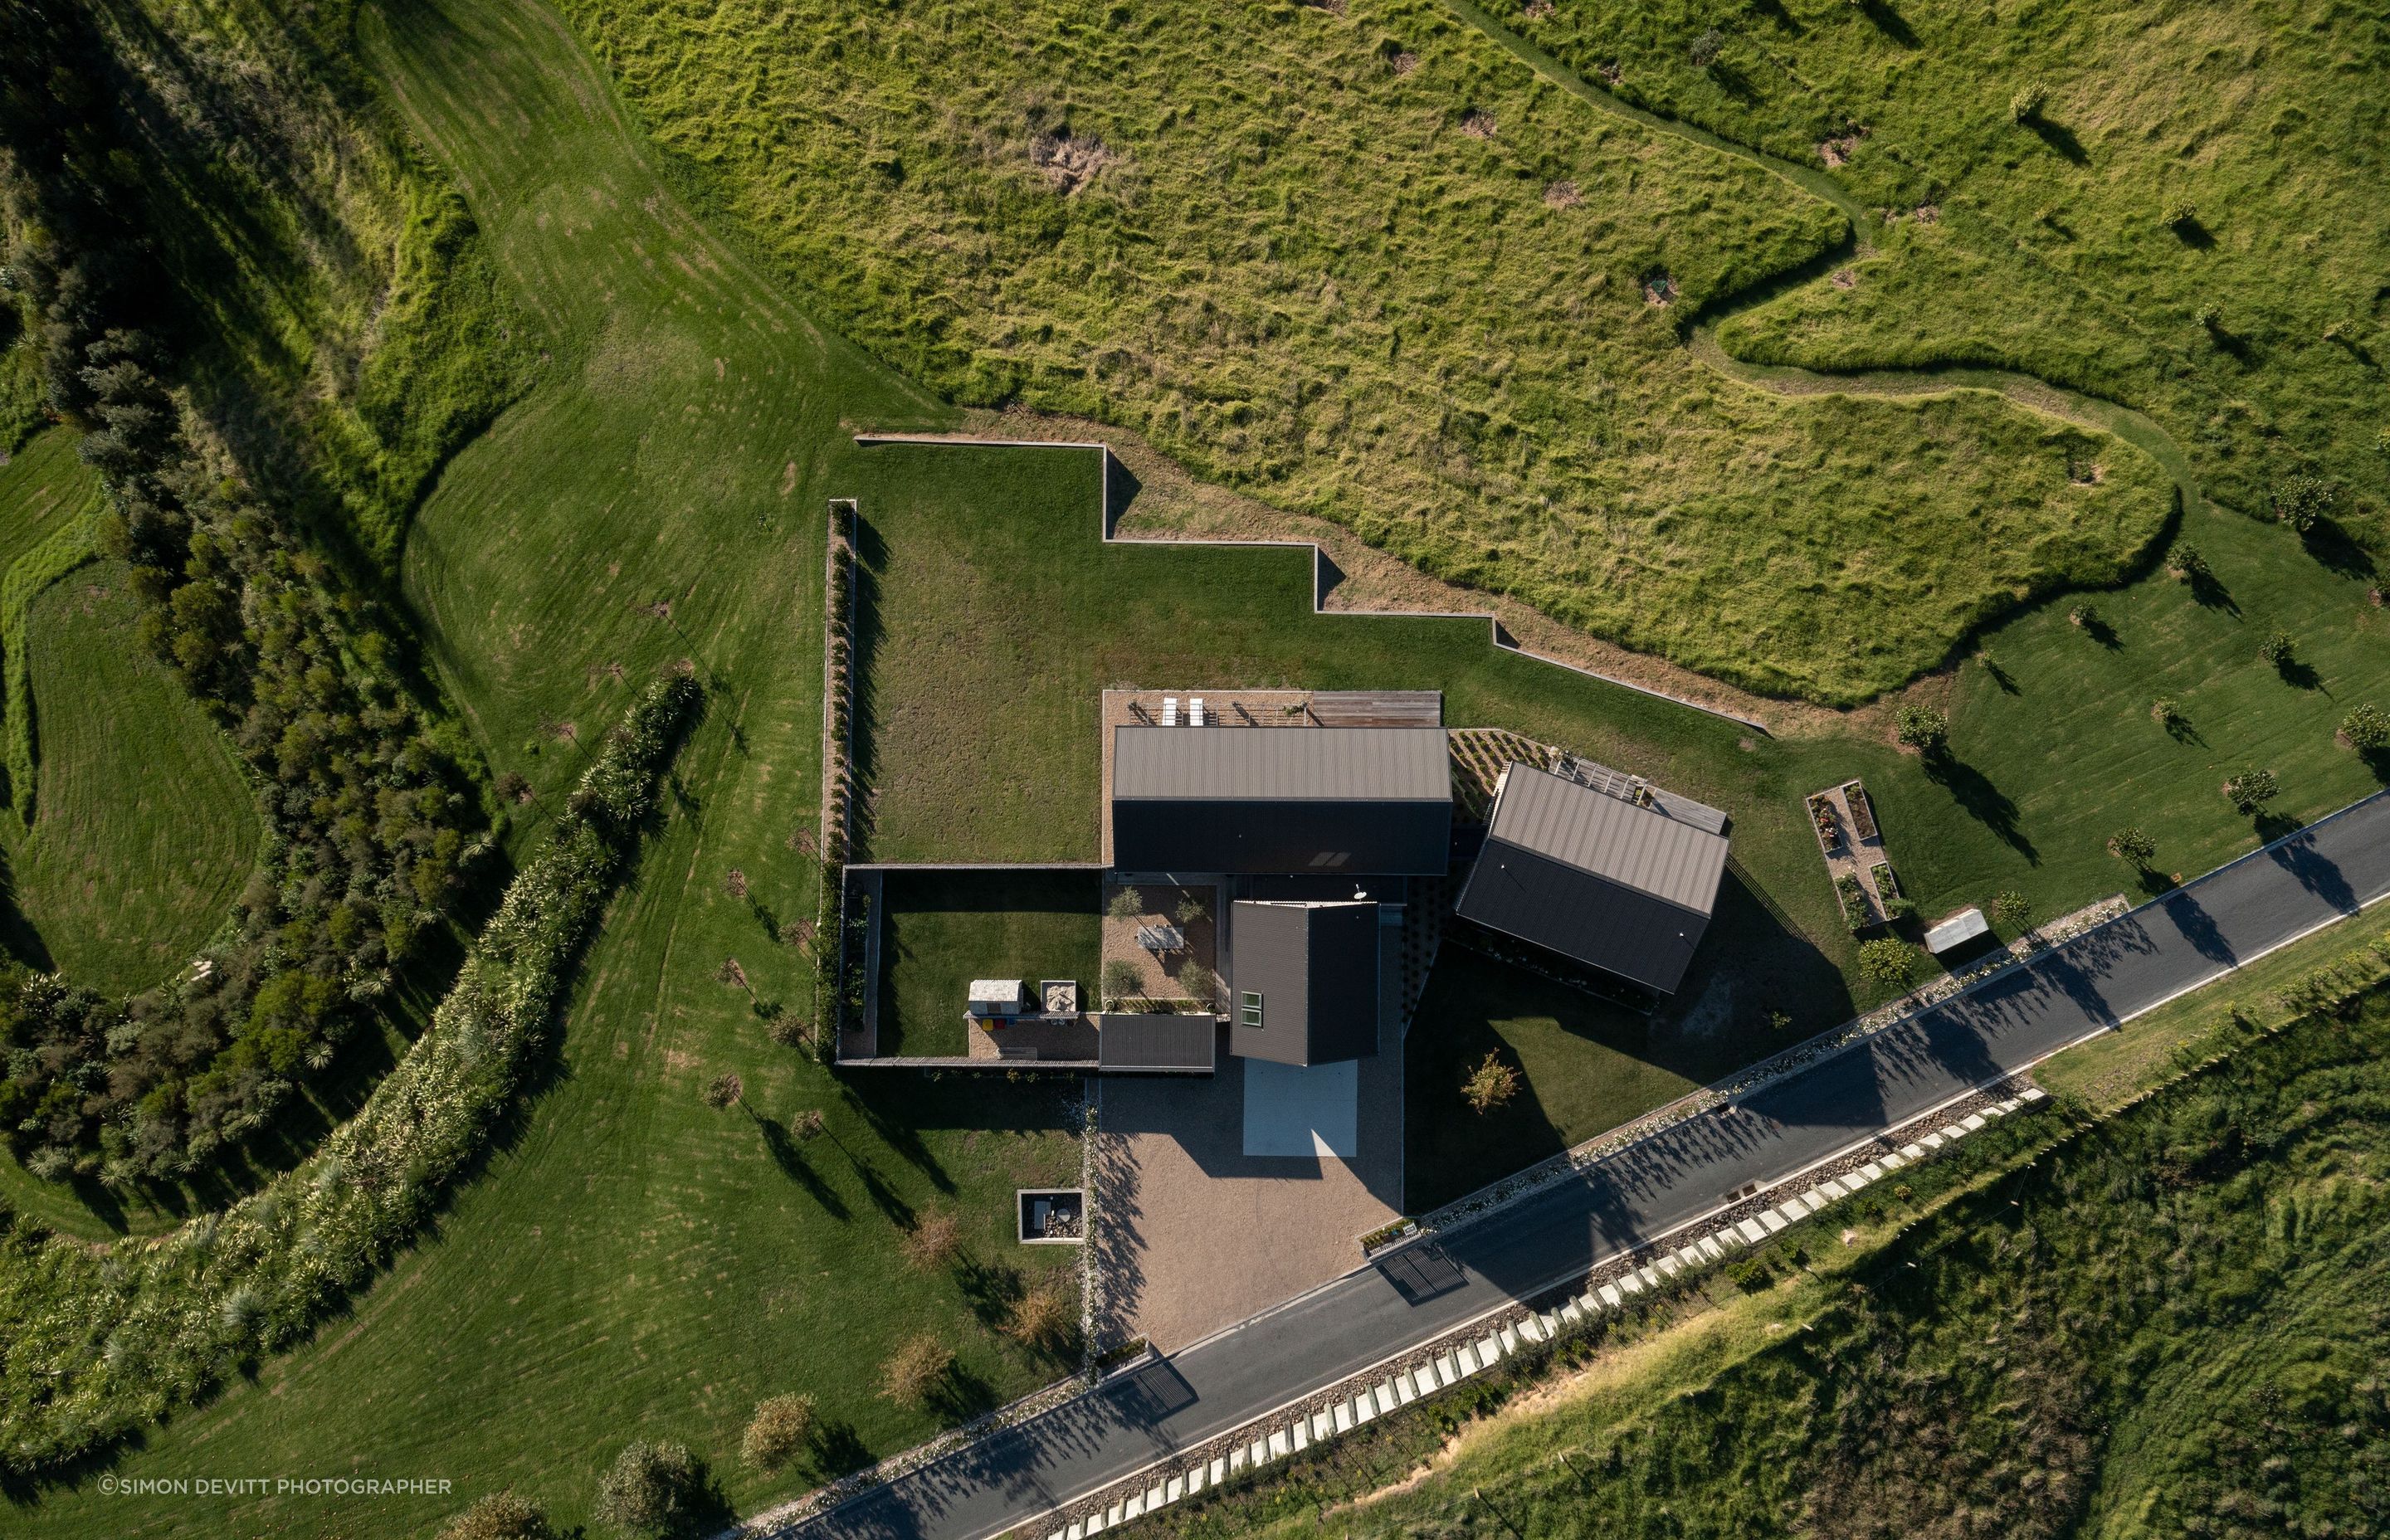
(1593, 877)
(1315, 968)
(1281, 765)
(1647, 849)
(1154, 1042)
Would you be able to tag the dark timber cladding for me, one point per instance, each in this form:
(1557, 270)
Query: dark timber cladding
(1357, 800)
(1598, 878)
(1302, 985)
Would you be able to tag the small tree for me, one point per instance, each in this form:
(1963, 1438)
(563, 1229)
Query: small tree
(1127, 904)
(2085, 615)
(2011, 910)
(2131, 844)
(789, 1029)
(725, 1090)
(1041, 1317)
(807, 1126)
(2167, 712)
(1195, 980)
(2366, 729)
(777, 1432)
(2279, 649)
(2026, 106)
(512, 788)
(933, 1242)
(651, 1490)
(1121, 979)
(1887, 960)
(2251, 789)
(1193, 910)
(914, 1371)
(1707, 49)
(2184, 563)
(500, 1516)
(1490, 1084)
(1923, 728)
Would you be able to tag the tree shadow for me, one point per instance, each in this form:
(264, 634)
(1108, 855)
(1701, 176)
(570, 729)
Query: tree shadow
(2336, 551)
(2192, 233)
(992, 1290)
(2100, 631)
(1889, 23)
(1987, 804)
(2298, 674)
(887, 1200)
(2209, 593)
(789, 1157)
(962, 1394)
(836, 1448)
(2000, 676)
(2179, 728)
(2060, 138)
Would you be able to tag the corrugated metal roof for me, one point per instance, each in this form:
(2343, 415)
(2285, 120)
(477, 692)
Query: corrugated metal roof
(1581, 915)
(1636, 847)
(1156, 1042)
(1281, 765)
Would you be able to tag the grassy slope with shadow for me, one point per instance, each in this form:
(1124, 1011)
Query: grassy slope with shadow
(2056, 250)
(665, 1267)
(945, 929)
(1363, 265)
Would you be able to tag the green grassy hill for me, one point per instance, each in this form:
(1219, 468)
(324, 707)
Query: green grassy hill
(2189, 221)
(1364, 264)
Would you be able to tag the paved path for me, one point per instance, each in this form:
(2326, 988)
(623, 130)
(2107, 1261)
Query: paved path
(2099, 979)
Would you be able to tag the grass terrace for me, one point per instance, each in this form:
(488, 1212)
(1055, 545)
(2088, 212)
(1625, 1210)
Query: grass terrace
(939, 930)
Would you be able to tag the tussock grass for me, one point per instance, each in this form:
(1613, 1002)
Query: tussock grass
(1340, 287)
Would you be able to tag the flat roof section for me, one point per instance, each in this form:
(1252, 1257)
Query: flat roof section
(1157, 1043)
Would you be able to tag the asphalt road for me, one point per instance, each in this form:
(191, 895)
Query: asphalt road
(2100, 978)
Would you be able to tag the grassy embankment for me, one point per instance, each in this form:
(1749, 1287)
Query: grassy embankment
(945, 929)
(2187, 223)
(1364, 264)
(2167, 1322)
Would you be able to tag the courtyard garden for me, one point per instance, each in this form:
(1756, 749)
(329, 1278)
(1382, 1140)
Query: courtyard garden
(941, 930)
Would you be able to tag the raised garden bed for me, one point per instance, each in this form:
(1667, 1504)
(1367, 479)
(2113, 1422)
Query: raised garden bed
(1828, 825)
(1859, 912)
(1862, 810)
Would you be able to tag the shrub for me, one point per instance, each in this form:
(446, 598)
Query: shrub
(1707, 49)
(1490, 1084)
(1126, 904)
(932, 1243)
(2366, 729)
(1042, 1317)
(1922, 728)
(777, 1435)
(916, 1372)
(2010, 909)
(1121, 979)
(2303, 501)
(2251, 789)
(1196, 981)
(807, 1126)
(1193, 910)
(2167, 712)
(2027, 105)
(2131, 844)
(651, 1489)
(2085, 615)
(2185, 563)
(500, 1516)
(2181, 217)
(788, 1031)
(2209, 319)
(2279, 649)
(1887, 961)
(724, 1090)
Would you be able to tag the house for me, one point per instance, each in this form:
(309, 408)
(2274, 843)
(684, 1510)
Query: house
(1343, 800)
(1615, 875)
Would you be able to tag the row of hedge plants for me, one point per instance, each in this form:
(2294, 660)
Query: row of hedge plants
(103, 1340)
(374, 800)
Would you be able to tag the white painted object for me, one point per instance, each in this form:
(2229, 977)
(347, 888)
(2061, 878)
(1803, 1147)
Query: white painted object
(1753, 1231)
(1957, 930)
(1610, 1295)
(1170, 710)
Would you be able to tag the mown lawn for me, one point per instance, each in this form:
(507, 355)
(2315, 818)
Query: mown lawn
(943, 929)
(144, 828)
(1362, 263)
(1584, 1066)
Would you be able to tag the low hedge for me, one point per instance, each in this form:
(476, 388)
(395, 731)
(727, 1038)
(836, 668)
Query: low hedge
(95, 1340)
